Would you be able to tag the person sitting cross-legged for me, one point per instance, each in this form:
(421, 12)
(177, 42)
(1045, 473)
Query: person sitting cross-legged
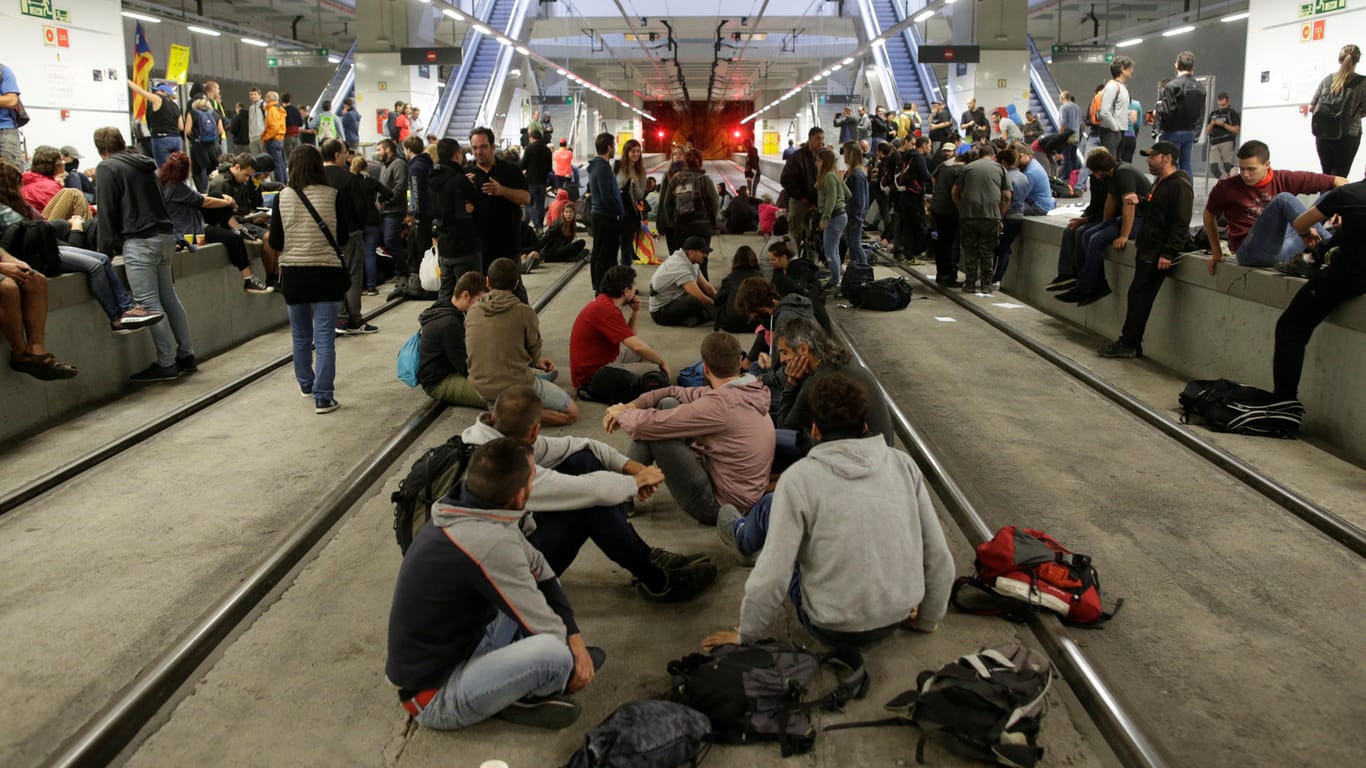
(480, 626)
(679, 293)
(850, 536)
(503, 340)
(714, 443)
(584, 490)
(602, 338)
(443, 368)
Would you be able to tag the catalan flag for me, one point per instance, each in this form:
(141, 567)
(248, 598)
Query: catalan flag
(142, 70)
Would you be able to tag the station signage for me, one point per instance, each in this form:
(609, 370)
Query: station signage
(950, 54)
(537, 98)
(412, 57)
(1322, 6)
(840, 98)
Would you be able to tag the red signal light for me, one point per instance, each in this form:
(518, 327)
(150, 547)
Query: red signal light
(661, 133)
(737, 133)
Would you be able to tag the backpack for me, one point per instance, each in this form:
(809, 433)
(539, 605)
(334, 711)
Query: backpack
(612, 385)
(754, 691)
(856, 278)
(1029, 570)
(433, 475)
(904, 178)
(1182, 107)
(986, 705)
(692, 376)
(1329, 121)
(885, 295)
(1060, 188)
(408, 359)
(688, 199)
(206, 126)
(646, 734)
(327, 127)
(34, 243)
(1093, 114)
(1227, 406)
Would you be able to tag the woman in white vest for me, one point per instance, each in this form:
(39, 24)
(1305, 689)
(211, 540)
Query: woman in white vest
(308, 229)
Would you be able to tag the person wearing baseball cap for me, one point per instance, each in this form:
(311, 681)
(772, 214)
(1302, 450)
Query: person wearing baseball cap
(679, 293)
(1166, 213)
(163, 118)
(71, 160)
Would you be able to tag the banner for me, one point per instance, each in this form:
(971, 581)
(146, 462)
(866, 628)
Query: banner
(142, 69)
(178, 66)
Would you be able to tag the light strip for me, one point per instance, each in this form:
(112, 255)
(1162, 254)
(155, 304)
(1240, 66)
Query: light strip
(257, 43)
(141, 17)
(1235, 17)
(454, 14)
(923, 16)
(203, 31)
(483, 30)
(1177, 31)
(1130, 42)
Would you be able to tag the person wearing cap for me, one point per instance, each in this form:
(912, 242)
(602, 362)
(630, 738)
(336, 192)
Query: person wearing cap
(163, 119)
(71, 160)
(1166, 213)
(679, 293)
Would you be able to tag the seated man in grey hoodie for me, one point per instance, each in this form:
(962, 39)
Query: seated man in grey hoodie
(714, 443)
(583, 490)
(851, 537)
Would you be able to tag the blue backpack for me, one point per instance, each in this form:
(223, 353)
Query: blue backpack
(692, 376)
(206, 126)
(408, 358)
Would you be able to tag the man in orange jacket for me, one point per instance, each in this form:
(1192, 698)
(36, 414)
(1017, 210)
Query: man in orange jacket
(273, 137)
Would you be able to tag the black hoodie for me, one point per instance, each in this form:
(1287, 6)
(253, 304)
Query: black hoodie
(129, 200)
(450, 189)
(441, 351)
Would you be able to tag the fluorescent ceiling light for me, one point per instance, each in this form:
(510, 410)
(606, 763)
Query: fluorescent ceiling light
(203, 31)
(848, 61)
(424, 2)
(825, 73)
(522, 50)
(454, 14)
(1177, 31)
(504, 40)
(836, 67)
(1226, 19)
(141, 17)
(923, 16)
(334, 59)
(817, 78)
(877, 41)
(483, 30)
(559, 71)
(257, 43)
(1130, 42)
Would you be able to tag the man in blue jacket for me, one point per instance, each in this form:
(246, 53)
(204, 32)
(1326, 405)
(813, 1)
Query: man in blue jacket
(606, 207)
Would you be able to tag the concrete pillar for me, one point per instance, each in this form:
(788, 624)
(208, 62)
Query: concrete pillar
(1001, 78)
(381, 30)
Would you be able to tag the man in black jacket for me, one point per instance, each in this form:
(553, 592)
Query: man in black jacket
(454, 200)
(1166, 225)
(799, 181)
(443, 365)
(349, 320)
(914, 182)
(1181, 108)
(536, 162)
(480, 626)
(419, 212)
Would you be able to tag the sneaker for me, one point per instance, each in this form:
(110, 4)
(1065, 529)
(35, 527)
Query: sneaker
(306, 391)
(1061, 282)
(1071, 295)
(156, 372)
(996, 286)
(340, 330)
(273, 282)
(554, 712)
(324, 406)
(1095, 296)
(669, 561)
(187, 364)
(253, 285)
(370, 292)
(1119, 349)
(120, 329)
(682, 584)
(969, 286)
(139, 317)
(361, 329)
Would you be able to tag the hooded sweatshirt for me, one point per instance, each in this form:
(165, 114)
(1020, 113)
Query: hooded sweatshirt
(856, 518)
(503, 341)
(38, 189)
(729, 427)
(441, 350)
(450, 190)
(129, 199)
(553, 491)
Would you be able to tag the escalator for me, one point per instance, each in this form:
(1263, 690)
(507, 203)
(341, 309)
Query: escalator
(343, 83)
(480, 73)
(906, 73)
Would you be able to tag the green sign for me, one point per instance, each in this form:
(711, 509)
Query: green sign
(62, 15)
(321, 52)
(1322, 6)
(271, 61)
(41, 9)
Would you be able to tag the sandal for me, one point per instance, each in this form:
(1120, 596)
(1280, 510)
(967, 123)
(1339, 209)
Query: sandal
(44, 367)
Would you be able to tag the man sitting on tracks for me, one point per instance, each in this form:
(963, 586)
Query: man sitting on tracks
(479, 625)
(714, 443)
(600, 332)
(503, 340)
(443, 367)
(809, 355)
(850, 536)
(679, 293)
(583, 490)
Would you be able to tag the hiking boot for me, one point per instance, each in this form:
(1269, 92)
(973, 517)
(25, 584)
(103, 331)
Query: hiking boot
(665, 560)
(1095, 296)
(1119, 349)
(1061, 282)
(156, 372)
(969, 286)
(253, 285)
(187, 364)
(139, 317)
(321, 406)
(949, 283)
(553, 712)
(681, 584)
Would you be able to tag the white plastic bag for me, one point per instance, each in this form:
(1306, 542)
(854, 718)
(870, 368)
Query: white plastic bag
(429, 273)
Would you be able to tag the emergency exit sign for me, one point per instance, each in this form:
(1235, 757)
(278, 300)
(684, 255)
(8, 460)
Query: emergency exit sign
(1322, 6)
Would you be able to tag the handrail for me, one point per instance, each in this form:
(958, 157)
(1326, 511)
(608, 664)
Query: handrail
(929, 79)
(871, 28)
(1042, 80)
(446, 106)
(494, 91)
(341, 79)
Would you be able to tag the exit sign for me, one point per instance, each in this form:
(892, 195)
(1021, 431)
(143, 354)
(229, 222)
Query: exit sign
(271, 61)
(1322, 6)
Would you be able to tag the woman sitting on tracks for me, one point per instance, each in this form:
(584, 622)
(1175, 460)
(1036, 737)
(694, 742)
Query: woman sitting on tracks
(559, 243)
(308, 227)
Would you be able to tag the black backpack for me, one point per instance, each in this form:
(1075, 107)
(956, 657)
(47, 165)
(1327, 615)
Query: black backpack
(856, 278)
(1227, 406)
(646, 734)
(432, 476)
(612, 385)
(34, 243)
(1329, 120)
(986, 705)
(756, 691)
(886, 295)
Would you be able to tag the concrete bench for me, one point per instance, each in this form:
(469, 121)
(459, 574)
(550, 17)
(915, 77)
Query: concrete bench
(1220, 326)
(221, 316)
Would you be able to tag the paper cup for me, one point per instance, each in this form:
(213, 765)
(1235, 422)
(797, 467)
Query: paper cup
(198, 239)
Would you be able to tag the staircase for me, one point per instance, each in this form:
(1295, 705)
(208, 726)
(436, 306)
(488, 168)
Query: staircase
(905, 71)
(480, 74)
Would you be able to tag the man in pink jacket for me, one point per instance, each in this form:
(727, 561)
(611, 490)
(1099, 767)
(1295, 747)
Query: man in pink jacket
(713, 443)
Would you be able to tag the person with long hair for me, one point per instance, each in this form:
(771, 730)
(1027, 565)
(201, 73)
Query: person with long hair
(558, 242)
(1337, 108)
(201, 128)
(856, 179)
(744, 265)
(309, 225)
(832, 198)
(185, 206)
(372, 194)
(630, 171)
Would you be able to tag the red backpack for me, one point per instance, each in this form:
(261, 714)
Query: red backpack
(1030, 570)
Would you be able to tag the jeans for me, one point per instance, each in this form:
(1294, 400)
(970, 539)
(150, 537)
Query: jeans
(606, 242)
(100, 276)
(834, 232)
(1099, 243)
(751, 532)
(799, 219)
(502, 670)
(684, 311)
(853, 237)
(276, 149)
(1186, 141)
(1070, 161)
(392, 225)
(455, 259)
(536, 209)
(147, 262)
(1344, 278)
(1090, 143)
(313, 329)
(371, 236)
(630, 227)
(1272, 239)
(1072, 252)
(163, 146)
(1110, 140)
(686, 478)
(1012, 230)
(1336, 155)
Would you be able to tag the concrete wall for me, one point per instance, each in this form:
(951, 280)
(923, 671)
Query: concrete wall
(1207, 327)
(221, 316)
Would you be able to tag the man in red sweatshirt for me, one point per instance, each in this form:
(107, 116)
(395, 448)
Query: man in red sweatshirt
(714, 443)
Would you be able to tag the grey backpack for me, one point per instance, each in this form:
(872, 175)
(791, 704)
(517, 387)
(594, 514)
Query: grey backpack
(646, 734)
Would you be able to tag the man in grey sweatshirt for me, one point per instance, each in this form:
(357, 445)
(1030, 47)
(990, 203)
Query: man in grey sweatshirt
(851, 537)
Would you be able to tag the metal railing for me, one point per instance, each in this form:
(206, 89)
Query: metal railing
(871, 30)
(341, 81)
(446, 104)
(1042, 80)
(493, 93)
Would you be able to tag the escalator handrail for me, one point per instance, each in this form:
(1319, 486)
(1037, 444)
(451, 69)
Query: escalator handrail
(501, 63)
(446, 105)
(337, 85)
